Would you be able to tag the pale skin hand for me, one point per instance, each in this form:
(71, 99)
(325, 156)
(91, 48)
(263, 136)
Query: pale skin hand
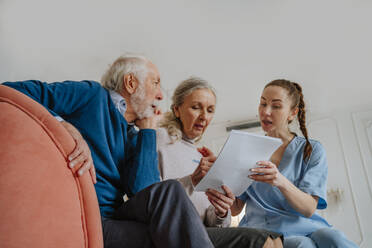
(81, 153)
(150, 122)
(204, 165)
(221, 202)
(299, 200)
(237, 207)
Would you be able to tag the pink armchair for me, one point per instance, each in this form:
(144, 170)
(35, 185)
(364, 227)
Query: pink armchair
(42, 201)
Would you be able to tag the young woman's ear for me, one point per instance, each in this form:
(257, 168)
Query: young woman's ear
(130, 83)
(293, 114)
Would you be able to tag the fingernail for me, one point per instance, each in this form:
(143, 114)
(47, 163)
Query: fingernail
(80, 172)
(72, 164)
(70, 158)
(253, 170)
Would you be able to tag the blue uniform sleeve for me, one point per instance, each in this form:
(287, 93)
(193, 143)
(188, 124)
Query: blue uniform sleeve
(60, 99)
(243, 196)
(142, 171)
(314, 181)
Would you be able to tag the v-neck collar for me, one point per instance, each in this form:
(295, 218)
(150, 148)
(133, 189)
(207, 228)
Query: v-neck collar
(287, 154)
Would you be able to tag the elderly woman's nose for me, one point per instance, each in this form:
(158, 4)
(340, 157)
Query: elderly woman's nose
(203, 114)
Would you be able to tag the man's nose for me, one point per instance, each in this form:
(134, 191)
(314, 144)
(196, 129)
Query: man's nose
(159, 96)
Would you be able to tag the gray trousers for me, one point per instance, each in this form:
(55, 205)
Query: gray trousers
(159, 216)
(162, 215)
(240, 237)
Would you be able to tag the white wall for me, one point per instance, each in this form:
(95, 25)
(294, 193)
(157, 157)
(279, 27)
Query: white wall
(237, 45)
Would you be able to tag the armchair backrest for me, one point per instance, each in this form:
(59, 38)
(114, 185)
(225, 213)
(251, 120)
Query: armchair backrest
(42, 201)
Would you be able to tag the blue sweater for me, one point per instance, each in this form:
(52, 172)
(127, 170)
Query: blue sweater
(125, 164)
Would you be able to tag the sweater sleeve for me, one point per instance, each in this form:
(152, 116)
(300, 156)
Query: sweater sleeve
(187, 184)
(60, 99)
(142, 170)
(212, 220)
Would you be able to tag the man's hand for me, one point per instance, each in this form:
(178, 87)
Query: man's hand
(204, 165)
(81, 153)
(150, 122)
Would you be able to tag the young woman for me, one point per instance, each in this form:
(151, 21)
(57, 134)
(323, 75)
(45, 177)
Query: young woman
(292, 185)
(192, 109)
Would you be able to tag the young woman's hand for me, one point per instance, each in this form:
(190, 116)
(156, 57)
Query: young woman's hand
(267, 172)
(221, 202)
(302, 202)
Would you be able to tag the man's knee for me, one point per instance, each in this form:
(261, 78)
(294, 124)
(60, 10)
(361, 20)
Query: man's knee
(273, 243)
(172, 186)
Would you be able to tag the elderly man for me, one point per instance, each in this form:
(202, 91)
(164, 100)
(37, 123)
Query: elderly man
(125, 159)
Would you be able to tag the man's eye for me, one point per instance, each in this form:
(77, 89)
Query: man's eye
(195, 107)
(276, 107)
(263, 104)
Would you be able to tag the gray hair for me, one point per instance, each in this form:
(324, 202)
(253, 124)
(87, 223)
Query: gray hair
(185, 88)
(135, 64)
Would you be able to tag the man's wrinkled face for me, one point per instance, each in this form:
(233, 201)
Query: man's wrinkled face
(148, 94)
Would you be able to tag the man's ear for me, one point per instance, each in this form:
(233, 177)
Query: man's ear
(130, 83)
(176, 111)
(293, 114)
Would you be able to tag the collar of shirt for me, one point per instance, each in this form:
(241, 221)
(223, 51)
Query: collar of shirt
(120, 104)
(191, 141)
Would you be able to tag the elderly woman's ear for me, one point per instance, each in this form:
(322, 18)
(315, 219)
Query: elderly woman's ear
(176, 111)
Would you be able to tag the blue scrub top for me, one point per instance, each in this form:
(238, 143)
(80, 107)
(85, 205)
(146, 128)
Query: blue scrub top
(266, 206)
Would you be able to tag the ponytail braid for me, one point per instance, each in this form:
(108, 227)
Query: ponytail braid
(301, 115)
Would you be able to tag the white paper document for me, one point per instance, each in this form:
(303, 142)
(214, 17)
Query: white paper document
(240, 153)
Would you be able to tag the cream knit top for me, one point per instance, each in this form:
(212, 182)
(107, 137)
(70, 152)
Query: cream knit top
(178, 160)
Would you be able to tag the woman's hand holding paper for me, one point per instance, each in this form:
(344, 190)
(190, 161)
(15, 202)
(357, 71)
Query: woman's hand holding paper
(221, 202)
(267, 172)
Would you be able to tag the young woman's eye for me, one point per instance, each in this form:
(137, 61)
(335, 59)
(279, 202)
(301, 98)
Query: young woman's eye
(263, 104)
(211, 111)
(276, 107)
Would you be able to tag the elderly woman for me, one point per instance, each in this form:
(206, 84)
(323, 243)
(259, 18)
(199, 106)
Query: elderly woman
(192, 109)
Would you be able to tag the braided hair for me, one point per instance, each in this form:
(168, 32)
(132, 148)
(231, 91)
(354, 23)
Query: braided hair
(294, 91)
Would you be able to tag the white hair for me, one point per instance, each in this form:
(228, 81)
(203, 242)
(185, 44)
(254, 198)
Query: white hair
(135, 64)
